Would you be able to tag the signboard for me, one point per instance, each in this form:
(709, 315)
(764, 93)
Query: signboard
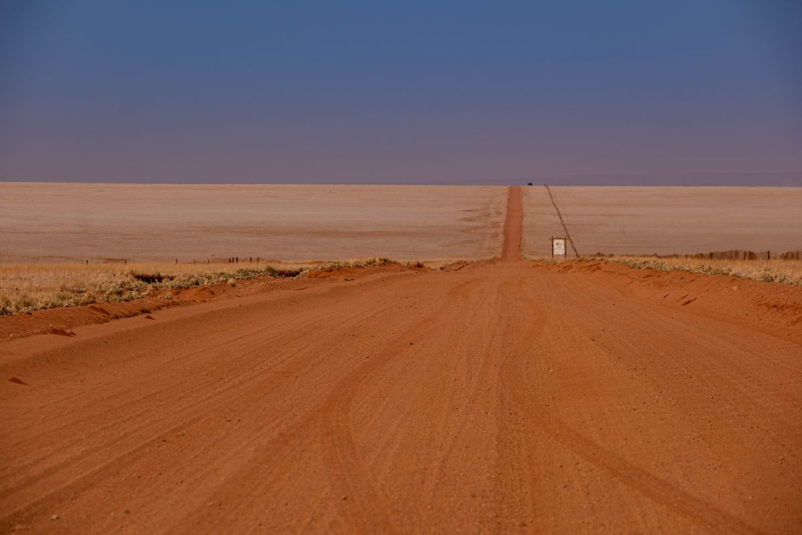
(558, 247)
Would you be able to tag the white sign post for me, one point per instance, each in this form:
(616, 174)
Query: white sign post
(558, 247)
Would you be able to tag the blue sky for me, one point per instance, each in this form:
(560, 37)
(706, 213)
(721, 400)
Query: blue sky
(594, 92)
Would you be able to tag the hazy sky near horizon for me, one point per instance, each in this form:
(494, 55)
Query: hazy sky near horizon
(681, 92)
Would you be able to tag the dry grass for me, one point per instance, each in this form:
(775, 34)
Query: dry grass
(28, 287)
(782, 271)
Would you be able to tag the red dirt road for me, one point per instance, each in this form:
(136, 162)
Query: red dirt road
(513, 227)
(503, 397)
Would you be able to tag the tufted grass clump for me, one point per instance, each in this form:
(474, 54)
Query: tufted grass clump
(774, 270)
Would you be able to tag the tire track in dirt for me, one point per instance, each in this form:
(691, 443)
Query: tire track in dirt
(473, 352)
(181, 413)
(329, 421)
(659, 490)
(664, 493)
(235, 383)
(362, 504)
(518, 450)
(139, 406)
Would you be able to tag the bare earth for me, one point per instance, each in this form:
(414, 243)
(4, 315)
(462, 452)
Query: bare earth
(76, 222)
(647, 220)
(152, 223)
(502, 397)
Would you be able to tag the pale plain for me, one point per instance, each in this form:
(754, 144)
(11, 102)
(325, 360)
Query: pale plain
(658, 220)
(101, 222)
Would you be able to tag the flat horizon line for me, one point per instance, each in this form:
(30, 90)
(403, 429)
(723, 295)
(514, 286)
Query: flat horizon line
(395, 184)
